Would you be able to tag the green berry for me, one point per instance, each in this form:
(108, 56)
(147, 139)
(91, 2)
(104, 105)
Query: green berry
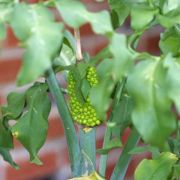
(91, 76)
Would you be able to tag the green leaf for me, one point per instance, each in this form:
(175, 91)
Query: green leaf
(122, 114)
(85, 88)
(2, 31)
(7, 157)
(34, 25)
(143, 149)
(74, 13)
(5, 11)
(124, 159)
(16, 102)
(100, 96)
(141, 17)
(152, 109)
(122, 62)
(69, 40)
(170, 5)
(31, 128)
(170, 19)
(176, 173)
(66, 57)
(6, 140)
(112, 144)
(104, 69)
(173, 80)
(119, 10)
(170, 41)
(156, 169)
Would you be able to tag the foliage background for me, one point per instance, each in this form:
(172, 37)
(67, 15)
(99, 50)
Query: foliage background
(148, 69)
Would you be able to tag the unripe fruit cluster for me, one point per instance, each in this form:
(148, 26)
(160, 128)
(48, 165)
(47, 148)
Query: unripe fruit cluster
(91, 76)
(82, 113)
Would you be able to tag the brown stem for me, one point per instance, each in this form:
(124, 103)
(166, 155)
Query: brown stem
(78, 45)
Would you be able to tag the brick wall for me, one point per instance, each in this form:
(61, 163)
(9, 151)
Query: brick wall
(54, 152)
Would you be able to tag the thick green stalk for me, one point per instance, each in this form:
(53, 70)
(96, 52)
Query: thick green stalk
(88, 150)
(120, 169)
(72, 140)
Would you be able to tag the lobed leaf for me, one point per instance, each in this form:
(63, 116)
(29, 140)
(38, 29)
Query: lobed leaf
(152, 114)
(122, 62)
(75, 14)
(31, 128)
(34, 25)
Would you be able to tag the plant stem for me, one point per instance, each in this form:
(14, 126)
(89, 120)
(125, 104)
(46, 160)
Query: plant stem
(88, 149)
(125, 158)
(103, 158)
(107, 137)
(78, 45)
(72, 140)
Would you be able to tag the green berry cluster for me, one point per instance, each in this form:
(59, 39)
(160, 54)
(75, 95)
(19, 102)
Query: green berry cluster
(91, 76)
(82, 113)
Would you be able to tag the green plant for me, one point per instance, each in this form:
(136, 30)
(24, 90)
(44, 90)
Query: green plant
(143, 90)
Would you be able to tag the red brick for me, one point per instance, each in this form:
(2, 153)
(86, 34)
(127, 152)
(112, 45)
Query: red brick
(150, 41)
(55, 128)
(10, 40)
(29, 171)
(93, 43)
(9, 70)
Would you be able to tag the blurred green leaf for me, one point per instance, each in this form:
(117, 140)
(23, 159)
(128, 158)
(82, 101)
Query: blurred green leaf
(14, 108)
(156, 169)
(66, 57)
(7, 157)
(100, 96)
(74, 13)
(69, 40)
(34, 25)
(112, 144)
(142, 16)
(170, 19)
(170, 41)
(122, 62)
(6, 140)
(173, 80)
(5, 10)
(176, 173)
(122, 114)
(31, 128)
(104, 68)
(169, 5)
(119, 12)
(152, 109)
(143, 149)
(85, 88)
(2, 31)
